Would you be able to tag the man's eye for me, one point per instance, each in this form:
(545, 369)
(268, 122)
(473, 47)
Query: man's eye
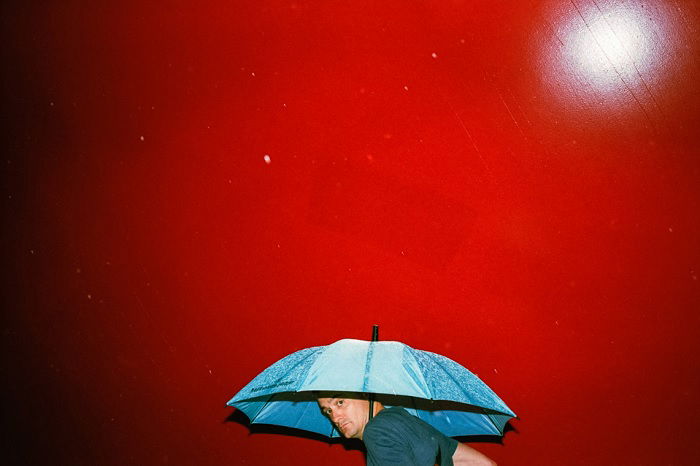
(340, 402)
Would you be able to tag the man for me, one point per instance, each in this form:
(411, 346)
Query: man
(395, 437)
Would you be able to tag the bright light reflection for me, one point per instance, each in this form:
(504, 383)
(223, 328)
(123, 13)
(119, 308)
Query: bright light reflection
(597, 48)
(613, 47)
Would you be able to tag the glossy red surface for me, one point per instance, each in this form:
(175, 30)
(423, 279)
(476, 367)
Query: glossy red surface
(194, 191)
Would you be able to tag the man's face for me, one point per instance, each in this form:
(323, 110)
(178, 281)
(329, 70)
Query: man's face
(349, 415)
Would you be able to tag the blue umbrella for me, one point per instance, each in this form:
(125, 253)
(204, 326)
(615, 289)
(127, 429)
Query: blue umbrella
(430, 386)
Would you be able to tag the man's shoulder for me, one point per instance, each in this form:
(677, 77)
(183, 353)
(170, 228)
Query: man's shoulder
(386, 439)
(389, 433)
(391, 415)
(394, 419)
(393, 412)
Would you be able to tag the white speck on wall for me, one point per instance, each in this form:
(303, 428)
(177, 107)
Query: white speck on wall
(267, 159)
(405, 88)
(252, 74)
(434, 55)
(142, 138)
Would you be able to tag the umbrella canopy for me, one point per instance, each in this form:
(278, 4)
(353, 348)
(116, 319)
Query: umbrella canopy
(430, 386)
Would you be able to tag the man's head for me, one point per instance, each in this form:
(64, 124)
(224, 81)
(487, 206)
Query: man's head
(348, 413)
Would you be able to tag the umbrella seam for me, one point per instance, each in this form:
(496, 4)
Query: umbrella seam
(368, 363)
(322, 349)
(252, 421)
(437, 362)
(417, 375)
(488, 416)
(311, 353)
(283, 375)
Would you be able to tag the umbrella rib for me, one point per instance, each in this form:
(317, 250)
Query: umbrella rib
(320, 348)
(311, 353)
(252, 421)
(368, 364)
(283, 375)
(439, 364)
(488, 416)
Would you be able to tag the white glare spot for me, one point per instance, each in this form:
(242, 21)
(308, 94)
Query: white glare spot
(142, 138)
(434, 55)
(612, 47)
(405, 88)
(267, 159)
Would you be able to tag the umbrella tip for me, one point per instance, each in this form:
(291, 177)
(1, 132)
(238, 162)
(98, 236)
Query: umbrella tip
(375, 332)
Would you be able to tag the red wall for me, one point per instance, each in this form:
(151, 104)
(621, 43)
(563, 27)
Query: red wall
(513, 184)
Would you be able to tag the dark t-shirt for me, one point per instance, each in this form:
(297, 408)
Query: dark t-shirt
(395, 437)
